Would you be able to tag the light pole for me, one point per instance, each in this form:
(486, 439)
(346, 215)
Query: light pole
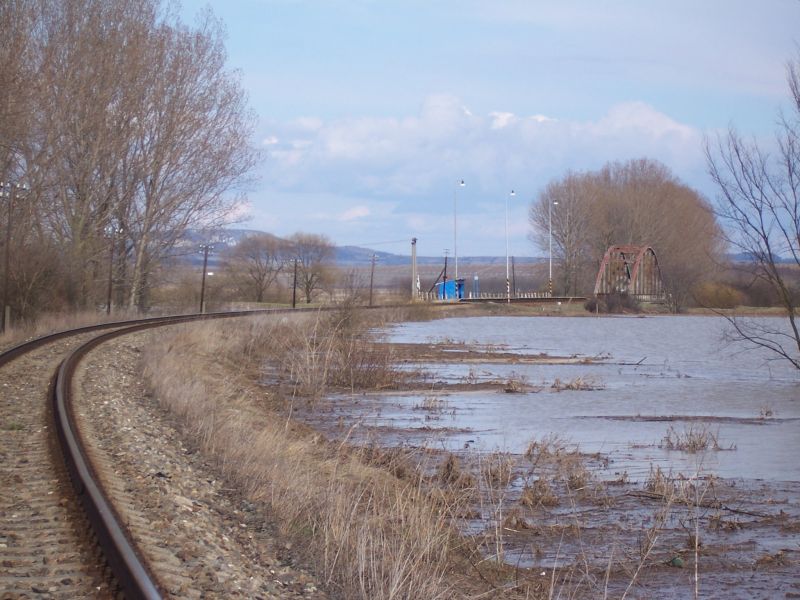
(508, 280)
(414, 276)
(550, 235)
(9, 191)
(455, 223)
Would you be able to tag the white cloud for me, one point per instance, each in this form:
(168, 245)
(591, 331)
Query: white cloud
(308, 123)
(502, 119)
(419, 154)
(354, 213)
(395, 177)
(638, 118)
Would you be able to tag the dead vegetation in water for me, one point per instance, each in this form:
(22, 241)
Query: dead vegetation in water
(694, 438)
(516, 383)
(579, 383)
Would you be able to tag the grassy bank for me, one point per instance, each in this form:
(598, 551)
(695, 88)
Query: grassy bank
(371, 525)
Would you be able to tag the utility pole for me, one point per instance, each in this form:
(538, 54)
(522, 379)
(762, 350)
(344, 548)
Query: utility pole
(205, 248)
(455, 222)
(513, 278)
(414, 290)
(12, 190)
(371, 278)
(294, 285)
(112, 231)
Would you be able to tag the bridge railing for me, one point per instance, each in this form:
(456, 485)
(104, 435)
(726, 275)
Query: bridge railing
(432, 297)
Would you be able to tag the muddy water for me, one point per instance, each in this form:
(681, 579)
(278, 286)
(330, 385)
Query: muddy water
(651, 374)
(641, 377)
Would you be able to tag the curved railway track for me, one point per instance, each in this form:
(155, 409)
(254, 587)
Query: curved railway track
(54, 542)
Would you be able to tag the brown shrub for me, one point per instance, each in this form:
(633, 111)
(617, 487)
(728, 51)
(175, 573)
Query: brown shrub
(714, 294)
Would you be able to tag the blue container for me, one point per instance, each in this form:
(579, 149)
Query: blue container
(452, 289)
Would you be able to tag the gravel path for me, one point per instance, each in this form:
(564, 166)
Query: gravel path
(206, 541)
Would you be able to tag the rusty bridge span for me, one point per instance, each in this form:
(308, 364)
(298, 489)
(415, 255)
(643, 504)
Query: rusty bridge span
(631, 270)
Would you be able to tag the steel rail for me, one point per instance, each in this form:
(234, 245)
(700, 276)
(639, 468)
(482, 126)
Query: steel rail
(27, 346)
(135, 579)
(131, 572)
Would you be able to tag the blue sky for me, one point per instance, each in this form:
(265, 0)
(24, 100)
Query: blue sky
(370, 111)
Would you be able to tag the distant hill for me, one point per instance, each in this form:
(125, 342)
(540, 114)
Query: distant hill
(747, 257)
(353, 256)
(188, 249)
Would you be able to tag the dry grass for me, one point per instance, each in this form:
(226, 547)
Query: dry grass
(315, 352)
(453, 476)
(539, 494)
(372, 527)
(516, 383)
(694, 438)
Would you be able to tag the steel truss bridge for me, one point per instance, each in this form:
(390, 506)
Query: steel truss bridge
(631, 270)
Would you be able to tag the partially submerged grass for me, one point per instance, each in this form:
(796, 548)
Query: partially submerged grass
(516, 383)
(577, 384)
(539, 494)
(433, 404)
(317, 351)
(694, 438)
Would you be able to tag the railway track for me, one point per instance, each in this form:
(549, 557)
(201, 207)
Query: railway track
(61, 535)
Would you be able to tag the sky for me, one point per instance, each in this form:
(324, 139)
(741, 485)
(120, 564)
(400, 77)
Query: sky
(371, 112)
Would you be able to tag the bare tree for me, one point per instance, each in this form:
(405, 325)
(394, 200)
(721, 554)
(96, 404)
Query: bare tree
(637, 202)
(16, 50)
(83, 126)
(191, 145)
(313, 254)
(137, 123)
(759, 202)
(566, 206)
(256, 262)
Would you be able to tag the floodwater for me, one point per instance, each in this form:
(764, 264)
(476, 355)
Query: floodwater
(641, 378)
(651, 373)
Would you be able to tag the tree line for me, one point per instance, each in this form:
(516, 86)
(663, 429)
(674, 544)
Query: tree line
(255, 263)
(127, 129)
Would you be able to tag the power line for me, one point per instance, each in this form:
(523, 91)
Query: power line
(381, 243)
